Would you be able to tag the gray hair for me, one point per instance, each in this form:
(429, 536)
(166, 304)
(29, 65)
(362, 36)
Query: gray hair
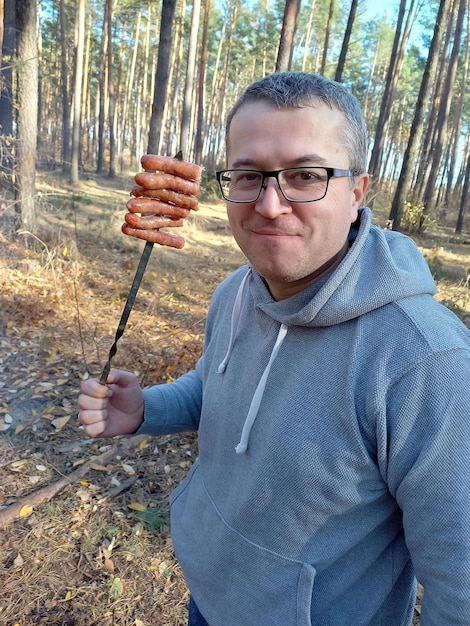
(291, 90)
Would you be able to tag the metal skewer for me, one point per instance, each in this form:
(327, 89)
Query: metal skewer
(147, 251)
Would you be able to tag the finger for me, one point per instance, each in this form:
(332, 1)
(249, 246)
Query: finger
(90, 403)
(120, 378)
(92, 387)
(95, 429)
(88, 417)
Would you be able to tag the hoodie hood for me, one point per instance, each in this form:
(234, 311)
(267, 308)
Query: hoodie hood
(381, 267)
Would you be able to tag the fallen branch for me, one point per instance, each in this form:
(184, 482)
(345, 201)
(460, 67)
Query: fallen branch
(13, 512)
(112, 493)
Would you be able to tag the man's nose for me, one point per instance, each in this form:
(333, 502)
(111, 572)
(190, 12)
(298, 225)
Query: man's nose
(271, 202)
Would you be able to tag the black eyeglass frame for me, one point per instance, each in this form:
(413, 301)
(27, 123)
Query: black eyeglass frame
(331, 172)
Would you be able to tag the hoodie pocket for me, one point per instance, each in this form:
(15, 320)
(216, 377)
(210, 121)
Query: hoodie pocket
(234, 580)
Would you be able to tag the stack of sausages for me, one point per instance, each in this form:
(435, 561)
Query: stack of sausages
(165, 193)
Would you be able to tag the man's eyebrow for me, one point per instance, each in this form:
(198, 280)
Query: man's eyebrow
(244, 163)
(310, 158)
(306, 159)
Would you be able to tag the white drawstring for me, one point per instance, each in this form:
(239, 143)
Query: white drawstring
(237, 307)
(258, 395)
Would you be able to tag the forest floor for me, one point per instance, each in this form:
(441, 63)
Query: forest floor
(84, 538)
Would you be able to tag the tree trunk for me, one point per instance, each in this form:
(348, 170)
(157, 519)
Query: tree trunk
(185, 142)
(222, 103)
(308, 36)
(199, 141)
(464, 200)
(64, 62)
(77, 94)
(387, 97)
(327, 37)
(172, 112)
(161, 76)
(214, 98)
(457, 125)
(85, 105)
(286, 42)
(8, 51)
(111, 94)
(443, 114)
(27, 81)
(345, 46)
(2, 17)
(404, 182)
(424, 160)
(101, 99)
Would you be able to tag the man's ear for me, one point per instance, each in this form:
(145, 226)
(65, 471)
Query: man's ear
(361, 182)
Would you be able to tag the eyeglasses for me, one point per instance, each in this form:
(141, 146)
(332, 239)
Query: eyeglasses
(297, 184)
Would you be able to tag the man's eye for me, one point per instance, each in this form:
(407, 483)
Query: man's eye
(313, 175)
(306, 176)
(245, 178)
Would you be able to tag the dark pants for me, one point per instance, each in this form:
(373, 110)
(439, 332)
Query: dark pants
(194, 616)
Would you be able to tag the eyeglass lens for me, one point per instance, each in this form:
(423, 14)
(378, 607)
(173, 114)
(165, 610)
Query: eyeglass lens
(297, 184)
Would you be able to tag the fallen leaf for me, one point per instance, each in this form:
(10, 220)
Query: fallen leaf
(17, 466)
(109, 565)
(136, 506)
(19, 561)
(50, 604)
(25, 511)
(3, 425)
(128, 469)
(115, 588)
(98, 467)
(84, 494)
(60, 422)
(46, 385)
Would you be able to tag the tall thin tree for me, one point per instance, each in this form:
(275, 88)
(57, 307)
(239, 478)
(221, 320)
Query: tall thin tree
(286, 41)
(443, 113)
(387, 96)
(346, 39)
(8, 51)
(161, 76)
(27, 83)
(111, 94)
(327, 36)
(406, 174)
(188, 101)
(464, 199)
(64, 63)
(77, 92)
(199, 140)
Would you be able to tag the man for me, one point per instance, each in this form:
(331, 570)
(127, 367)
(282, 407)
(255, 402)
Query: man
(332, 400)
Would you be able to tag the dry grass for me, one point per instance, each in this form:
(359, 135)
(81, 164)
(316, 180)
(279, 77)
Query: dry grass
(89, 557)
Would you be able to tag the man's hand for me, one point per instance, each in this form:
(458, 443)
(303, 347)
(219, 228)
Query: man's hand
(114, 409)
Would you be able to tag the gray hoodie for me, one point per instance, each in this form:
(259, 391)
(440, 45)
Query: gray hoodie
(334, 442)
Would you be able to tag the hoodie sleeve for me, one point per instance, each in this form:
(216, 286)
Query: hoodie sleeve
(426, 460)
(174, 407)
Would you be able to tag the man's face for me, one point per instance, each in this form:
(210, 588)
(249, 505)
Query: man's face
(287, 242)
